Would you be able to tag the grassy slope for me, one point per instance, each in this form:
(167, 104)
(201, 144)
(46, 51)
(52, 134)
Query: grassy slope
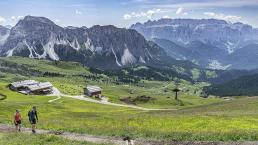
(72, 83)
(199, 119)
(219, 121)
(49, 66)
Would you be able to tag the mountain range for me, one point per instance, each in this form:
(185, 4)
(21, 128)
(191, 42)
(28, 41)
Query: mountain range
(209, 50)
(104, 47)
(210, 43)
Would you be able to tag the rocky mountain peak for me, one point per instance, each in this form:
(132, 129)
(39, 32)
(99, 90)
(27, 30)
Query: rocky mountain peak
(99, 46)
(206, 42)
(33, 19)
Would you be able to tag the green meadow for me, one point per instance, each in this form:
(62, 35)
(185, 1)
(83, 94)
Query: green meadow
(218, 121)
(196, 118)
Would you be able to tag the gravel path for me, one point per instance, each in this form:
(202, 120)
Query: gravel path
(50, 101)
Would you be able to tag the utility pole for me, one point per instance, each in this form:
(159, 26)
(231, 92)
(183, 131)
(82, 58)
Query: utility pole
(176, 90)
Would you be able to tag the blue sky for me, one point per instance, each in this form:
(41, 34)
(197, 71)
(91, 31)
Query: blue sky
(123, 13)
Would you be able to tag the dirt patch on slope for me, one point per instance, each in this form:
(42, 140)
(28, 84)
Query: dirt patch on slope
(137, 100)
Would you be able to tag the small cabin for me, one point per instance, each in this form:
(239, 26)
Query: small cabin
(41, 88)
(22, 85)
(93, 91)
(32, 87)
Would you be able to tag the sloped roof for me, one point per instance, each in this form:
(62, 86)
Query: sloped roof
(40, 86)
(94, 88)
(25, 83)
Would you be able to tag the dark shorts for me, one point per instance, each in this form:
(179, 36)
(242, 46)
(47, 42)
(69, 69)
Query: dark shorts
(33, 121)
(17, 123)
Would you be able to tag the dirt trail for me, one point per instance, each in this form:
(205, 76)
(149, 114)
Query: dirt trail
(56, 92)
(68, 135)
(119, 141)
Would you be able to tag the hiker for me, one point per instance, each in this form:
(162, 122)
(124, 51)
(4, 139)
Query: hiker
(17, 120)
(33, 118)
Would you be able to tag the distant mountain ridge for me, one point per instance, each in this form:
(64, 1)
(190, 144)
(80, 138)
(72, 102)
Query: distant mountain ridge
(184, 31)
(105, 47)
(210, 43)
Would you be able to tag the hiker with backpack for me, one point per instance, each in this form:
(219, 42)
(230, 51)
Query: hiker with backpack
(17, 120)
(33, 118)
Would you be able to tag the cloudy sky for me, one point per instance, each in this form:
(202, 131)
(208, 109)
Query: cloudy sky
(123, 13)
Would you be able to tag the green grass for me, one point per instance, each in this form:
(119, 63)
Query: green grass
(26, 139)
(212, 119)
(74, 84)
(219, 121)
(71, 68)
(196, 74)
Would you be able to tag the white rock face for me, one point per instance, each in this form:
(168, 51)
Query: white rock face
(89, 46)
(142, 60)
(49, 50)
(117, 62)
(127, 58)
(10, 53)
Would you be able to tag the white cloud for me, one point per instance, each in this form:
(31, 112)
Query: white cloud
(20, 17)
(179, 10)
(210, 14)
(230, 18)
(14, 18)
(166, 17)
(2, 19)
(149, 14)
(78, 12)
(127, 17)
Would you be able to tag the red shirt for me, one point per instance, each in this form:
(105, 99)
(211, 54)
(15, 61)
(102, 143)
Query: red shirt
(17, 117)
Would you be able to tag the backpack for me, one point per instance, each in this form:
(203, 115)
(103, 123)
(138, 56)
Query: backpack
(29, 115)
(32, 115)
